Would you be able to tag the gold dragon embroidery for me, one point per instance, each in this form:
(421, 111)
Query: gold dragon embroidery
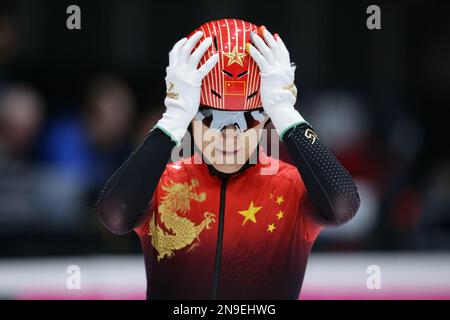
(183, 231)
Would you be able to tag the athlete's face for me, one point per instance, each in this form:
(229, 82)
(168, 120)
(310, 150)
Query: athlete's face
(229, 149)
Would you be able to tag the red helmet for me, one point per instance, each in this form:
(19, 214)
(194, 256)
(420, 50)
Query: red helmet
(233, 84)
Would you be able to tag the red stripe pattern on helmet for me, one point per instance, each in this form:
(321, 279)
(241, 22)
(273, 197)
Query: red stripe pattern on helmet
(233, 84)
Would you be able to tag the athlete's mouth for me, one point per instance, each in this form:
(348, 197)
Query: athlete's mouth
(228, 150)
(228, 146)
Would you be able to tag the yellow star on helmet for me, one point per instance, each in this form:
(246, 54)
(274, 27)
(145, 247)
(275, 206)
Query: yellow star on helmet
(235, 57)
(249, 214)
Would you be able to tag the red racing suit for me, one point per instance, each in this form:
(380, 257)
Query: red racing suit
(246, 236)
(207, 235)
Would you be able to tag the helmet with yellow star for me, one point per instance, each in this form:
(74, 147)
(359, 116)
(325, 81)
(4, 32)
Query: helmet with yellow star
(233, 84)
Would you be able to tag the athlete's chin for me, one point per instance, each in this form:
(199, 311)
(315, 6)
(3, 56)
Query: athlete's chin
(227, 168)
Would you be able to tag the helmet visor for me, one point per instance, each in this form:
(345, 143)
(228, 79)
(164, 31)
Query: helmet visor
(220, 119)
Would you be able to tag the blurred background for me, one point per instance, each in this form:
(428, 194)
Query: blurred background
(75, 103)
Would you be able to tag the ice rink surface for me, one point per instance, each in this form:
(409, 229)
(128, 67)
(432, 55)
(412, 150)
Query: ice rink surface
(328, 276)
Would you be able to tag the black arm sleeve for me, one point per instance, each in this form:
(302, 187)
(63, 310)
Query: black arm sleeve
(127, 194)
(329, 185)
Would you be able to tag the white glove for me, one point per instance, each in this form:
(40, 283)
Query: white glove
(278, 91)
(183, 83)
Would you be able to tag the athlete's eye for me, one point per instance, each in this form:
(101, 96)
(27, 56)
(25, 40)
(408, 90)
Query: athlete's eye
(207, 121)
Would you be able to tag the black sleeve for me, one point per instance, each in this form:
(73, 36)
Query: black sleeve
(127, 194)
(329, 185)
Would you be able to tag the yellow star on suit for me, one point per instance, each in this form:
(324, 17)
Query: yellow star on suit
(280, 200)
(280, 214)
(249, 214)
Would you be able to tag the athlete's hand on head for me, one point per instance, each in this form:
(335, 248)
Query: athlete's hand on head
(184, 78)
(183, 81)
(278, 91)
